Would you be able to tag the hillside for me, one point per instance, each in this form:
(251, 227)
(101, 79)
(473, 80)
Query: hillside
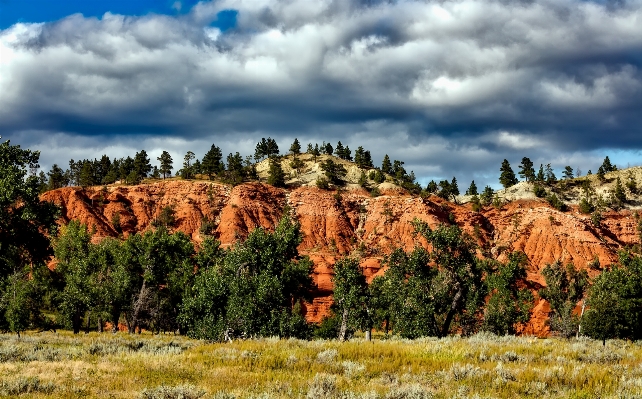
(356, 223)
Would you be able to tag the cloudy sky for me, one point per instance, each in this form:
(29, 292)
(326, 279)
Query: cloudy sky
(449, 87)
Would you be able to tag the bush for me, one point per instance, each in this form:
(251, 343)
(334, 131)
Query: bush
(556, 203)
(323, 183)
(25, 385)
(586, 206)
(539, 191)
(328, 328)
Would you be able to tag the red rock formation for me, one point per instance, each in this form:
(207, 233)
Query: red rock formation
(352, 222)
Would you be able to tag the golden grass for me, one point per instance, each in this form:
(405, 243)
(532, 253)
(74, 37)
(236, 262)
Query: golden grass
(60, 365)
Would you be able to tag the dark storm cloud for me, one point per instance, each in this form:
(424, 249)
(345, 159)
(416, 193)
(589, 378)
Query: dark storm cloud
(452, 87)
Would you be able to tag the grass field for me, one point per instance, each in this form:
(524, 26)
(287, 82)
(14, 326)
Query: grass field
(60, 365)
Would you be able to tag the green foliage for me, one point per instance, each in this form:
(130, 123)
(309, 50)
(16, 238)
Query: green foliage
(166, 163)
(550, 175)
(472, 189)
(363, 179)
(614, 301)
(631, 183)
(276, 176)
(565, 286)
(266, 148)
(350, 296)
(362, 158)
(556, 203)
(586, 206)
(323, 183)
(476, 203)
(188, 171)
(539, 190)
(295, 148)
(386, 166)
(166, 218)
(526, 170)
(487, 196)
(334, 172)
(618, 194)
(507, 177)
(252, 289)
(379, 177)
(212, 164)
(607, 166)
(568, 172)
(507, 304)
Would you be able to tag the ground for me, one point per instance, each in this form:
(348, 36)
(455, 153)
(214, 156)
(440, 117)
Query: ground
(60, 365)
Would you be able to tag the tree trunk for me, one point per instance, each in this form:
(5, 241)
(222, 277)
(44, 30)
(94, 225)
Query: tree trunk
(76, 322)
(451, 313)
(115, 316)
(88, 323)
(368, 335)
(138, 307)
(100, 324)
(344, 325)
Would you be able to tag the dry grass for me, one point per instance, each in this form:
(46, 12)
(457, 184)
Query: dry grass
(48, 365)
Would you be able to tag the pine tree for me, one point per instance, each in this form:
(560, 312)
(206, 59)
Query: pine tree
(339, 150)
(187, 172)
(472, 190)
(166, 163)
(295, 148)
(487, 195)
(568, 172)
(607, 166)
(386, 166)
(327, 148)
(507, 177)
(347, 154)
(550, 175)
(367, 160)
(316, 152)
(526, 170)
(310, 149)
(359, 157)
(432, 187)
(212, 161)
(618, 192)
(142, 167)
(56, 178)
(454, 188)
(276, 177)
(540, 174)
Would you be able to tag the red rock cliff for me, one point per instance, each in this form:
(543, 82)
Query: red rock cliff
(353, 222)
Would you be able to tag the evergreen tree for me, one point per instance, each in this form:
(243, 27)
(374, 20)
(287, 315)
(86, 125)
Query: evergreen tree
(339, 151)
(187, 171)
(540, 174)
(166, 163)
(386, 166)
(618, 192)
(197, 168)
(568, 172)
(432, 187)
(155, 172)
(276, 177)
(607, 166)
(487, 195)
(316, 152)
(507, 177)
(57, 178)
(454, 188)
(235, 169)
(367, 160)
(472, 190)
(295, 148)
(327, 148)
(86, 177)
(550, 175)
(334, 172)
(526, 170)
(347, 154)
(359, 157)
(310, 148)
(142, 167)
(212, 163)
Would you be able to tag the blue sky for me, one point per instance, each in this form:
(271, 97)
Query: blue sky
(13, 11)
(451, 88)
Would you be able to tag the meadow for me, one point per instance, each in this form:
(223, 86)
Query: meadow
(62, 365)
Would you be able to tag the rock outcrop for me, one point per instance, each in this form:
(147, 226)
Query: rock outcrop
(352, 222)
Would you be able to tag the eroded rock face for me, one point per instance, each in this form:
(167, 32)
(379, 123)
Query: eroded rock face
(354, 223)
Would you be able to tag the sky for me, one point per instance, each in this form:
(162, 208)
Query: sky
(450, 87)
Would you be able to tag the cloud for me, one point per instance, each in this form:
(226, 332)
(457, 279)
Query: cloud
(450, 87)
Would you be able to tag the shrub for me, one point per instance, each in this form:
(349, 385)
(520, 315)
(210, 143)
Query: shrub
(323, 183)
(539, 191)
(556, 203)
(323, 386)
(586, 206)
(24, 385)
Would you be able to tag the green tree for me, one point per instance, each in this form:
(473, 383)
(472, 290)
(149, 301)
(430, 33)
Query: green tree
(487, 195)
(550, 175)
(327, 148)
(540, 178)
(607, 166)
(619, 195)
(472, 189)
(432, 187)
(166, 163)
(507, 304)
(235, 169)
(142, 167)
(86, 176)
(568, 172)
(295, 148)
(350, 296)
(25, 223)
(276, 176)
(507, 177)
(339, 150)
(57, 178)
(212, 164)
(187, 171)
(526, 170)
(334, 172)
(614, 300)
(565, 286)
(386, 166)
